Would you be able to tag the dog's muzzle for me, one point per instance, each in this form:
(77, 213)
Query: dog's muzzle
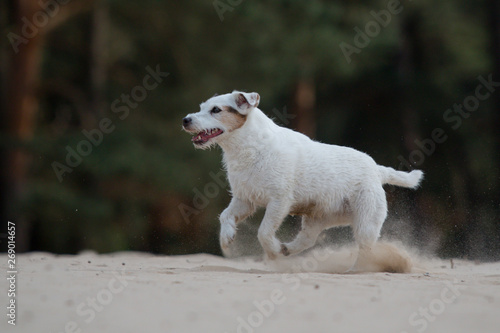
(186, 121)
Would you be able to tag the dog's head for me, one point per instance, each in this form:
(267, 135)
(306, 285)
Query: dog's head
(219, 116)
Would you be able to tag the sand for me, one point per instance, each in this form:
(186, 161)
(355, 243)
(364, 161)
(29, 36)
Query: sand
(137, 292)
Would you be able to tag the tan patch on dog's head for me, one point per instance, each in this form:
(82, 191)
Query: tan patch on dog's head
(231, 118)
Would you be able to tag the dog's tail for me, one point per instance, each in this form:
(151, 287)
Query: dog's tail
(400, 178)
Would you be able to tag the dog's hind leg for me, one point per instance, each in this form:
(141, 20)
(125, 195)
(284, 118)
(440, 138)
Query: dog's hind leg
(370, 211)
(276, 211)
(306, 238)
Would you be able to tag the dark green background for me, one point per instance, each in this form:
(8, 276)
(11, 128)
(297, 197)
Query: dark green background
(126, 194)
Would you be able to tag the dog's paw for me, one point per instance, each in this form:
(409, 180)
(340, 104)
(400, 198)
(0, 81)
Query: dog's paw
(284, 250)
(271, 245)
(269, 255)
(227, 235)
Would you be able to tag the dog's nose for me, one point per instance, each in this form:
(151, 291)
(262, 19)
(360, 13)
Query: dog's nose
(186, 121)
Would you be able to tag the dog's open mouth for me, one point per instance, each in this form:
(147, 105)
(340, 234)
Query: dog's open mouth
(206, 135)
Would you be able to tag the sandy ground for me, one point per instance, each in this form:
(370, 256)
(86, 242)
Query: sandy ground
(135, 292)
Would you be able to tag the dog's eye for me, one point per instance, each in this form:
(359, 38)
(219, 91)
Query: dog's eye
(215, 110)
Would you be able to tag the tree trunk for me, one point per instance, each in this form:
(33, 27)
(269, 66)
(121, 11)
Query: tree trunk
(494, 29)
(21, 107)
(303, 109)
(98, 38)
(5, 7)
(409, 62)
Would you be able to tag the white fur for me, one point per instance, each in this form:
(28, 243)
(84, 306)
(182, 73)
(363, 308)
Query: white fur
(287, 172)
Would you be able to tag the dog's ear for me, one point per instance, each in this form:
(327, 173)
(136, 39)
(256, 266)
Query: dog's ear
(246, 101)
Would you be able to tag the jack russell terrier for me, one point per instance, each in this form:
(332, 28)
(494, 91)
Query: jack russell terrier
(289, 174)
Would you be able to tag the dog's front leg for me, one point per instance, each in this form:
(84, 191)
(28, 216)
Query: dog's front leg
(237, 211)
(276, 211)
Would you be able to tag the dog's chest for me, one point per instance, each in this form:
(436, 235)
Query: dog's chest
(248, 181)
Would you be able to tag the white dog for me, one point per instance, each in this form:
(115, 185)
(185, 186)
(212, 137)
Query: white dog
(289, 174)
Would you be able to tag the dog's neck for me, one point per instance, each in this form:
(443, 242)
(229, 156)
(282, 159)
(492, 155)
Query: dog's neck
(249, 137)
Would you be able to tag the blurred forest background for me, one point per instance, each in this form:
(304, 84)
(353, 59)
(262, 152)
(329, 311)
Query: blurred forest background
(144, 187)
